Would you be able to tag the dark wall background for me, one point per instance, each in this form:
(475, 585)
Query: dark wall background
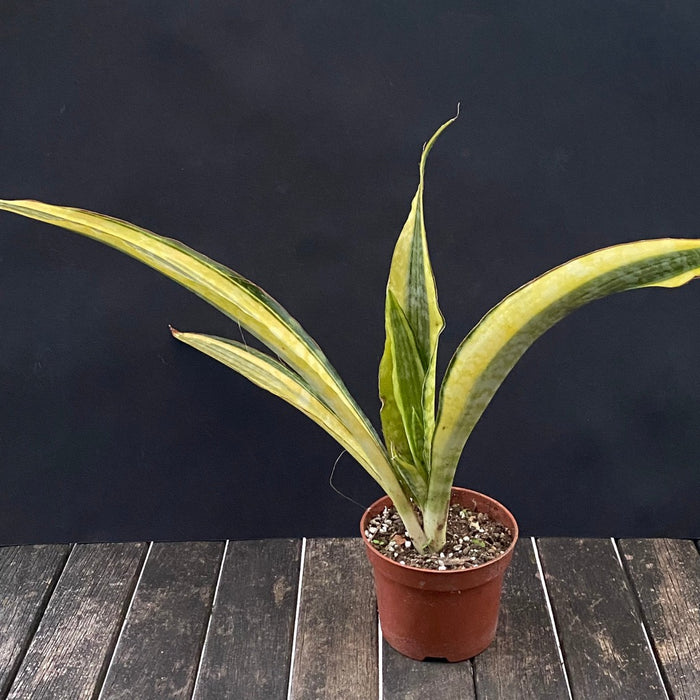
(283, 139)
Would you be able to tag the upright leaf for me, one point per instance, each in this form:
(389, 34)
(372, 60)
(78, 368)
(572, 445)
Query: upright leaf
(412, 285)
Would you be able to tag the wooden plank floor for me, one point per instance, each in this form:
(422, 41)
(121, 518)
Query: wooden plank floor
(296, 619)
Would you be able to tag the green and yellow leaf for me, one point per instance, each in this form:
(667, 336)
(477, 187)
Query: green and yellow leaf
(279, 380)
(233, 295)
(490, 351)
(412, 284)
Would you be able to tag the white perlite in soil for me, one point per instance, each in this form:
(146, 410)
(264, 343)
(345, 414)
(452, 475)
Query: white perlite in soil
(472, 538)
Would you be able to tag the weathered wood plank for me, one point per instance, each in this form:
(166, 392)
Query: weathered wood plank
(68, 655)
(336, 642)
(408, 679)
(523, 661)
(27, 578)
(159, 648)
(601, 633)
(666, 577)
(248, 649)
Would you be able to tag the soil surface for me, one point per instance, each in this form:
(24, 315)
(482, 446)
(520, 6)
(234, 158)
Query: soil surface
(472, 538)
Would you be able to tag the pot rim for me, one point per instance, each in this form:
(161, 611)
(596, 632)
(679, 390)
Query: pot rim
(436, 572)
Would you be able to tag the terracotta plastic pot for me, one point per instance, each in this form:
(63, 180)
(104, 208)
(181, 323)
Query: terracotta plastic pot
(449, 614)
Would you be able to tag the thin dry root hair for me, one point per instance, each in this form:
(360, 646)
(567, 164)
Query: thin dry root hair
(340, 493)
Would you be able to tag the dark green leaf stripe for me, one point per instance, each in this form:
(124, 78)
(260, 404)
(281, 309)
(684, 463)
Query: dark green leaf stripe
(408, 377)
(417, 308)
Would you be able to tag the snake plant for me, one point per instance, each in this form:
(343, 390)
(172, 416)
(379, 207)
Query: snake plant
(424, 434)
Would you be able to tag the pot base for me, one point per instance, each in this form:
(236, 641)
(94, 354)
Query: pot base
(447, 624)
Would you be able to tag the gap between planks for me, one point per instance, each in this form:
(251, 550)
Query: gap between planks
(632, 621)
(642, 620)
(203, 646)
(113, 653)
(302, 558)
(16, 663)
(552, 620)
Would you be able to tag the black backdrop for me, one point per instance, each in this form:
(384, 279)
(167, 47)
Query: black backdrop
(282, 139)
